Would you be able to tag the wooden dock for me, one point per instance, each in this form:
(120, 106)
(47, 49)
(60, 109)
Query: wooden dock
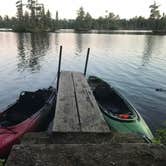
(77, 115)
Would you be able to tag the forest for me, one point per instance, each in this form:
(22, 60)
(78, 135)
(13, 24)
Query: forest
(32, 16)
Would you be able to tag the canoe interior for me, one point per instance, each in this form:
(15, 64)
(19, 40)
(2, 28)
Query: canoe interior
(110, 101)
(27, 104)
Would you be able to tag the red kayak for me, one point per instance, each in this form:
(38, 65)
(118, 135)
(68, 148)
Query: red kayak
(32, 112)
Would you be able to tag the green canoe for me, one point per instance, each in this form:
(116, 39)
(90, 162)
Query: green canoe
(120, 115)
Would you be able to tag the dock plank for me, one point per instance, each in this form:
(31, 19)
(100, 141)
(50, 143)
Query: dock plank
(78, 118)
(66, 117)
(90, 116)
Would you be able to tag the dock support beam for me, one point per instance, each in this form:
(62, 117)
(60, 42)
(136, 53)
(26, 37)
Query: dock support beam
(59, 67)
(86, 63)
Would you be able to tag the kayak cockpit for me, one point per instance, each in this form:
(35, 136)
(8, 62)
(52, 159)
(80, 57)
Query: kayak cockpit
(27, 104)
(111, 102)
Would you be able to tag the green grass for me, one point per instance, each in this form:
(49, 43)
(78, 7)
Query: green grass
(160, 137)
(2, 162)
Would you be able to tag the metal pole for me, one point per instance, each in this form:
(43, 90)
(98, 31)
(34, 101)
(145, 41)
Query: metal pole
(86, 63)
(59, 67)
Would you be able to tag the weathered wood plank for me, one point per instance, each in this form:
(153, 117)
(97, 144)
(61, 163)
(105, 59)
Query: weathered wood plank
(76, 108)
(90, 116)
(66, 117)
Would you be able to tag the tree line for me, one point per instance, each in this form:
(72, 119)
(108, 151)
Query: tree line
(35, 18)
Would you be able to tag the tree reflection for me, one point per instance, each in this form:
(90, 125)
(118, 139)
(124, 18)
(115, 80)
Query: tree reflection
(32, 47)
(151, 45)
(57, 42)
(79, 42)
(147, 54)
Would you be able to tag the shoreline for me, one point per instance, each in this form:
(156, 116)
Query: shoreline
(112, 32)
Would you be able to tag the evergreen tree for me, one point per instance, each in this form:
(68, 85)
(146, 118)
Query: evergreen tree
(88, 21)
(80, 14)
(26, 19)
(154, 16)
(80, 18)
(56, 23)
(154, 12)
(83, 20)
(48, 20)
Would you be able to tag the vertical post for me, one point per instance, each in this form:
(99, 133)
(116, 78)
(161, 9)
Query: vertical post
(59, 67)
(86, 63)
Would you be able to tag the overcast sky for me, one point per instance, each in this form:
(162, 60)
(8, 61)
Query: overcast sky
(68, 8)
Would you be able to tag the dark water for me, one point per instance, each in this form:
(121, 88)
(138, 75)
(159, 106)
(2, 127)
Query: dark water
(135, 64)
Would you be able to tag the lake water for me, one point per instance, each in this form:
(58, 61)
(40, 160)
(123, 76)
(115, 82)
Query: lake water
(134, 64)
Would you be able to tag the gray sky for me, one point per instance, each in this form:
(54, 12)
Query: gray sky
(68, 8)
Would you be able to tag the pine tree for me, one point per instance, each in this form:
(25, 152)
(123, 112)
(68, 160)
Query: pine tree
(154, 12)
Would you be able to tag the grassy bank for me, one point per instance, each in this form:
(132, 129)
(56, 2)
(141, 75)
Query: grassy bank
(160, 136)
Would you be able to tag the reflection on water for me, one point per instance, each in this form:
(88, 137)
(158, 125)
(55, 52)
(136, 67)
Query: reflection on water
(135, 64)
(79, 42)
(149, 43)
(56, 41)
(31, 48)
